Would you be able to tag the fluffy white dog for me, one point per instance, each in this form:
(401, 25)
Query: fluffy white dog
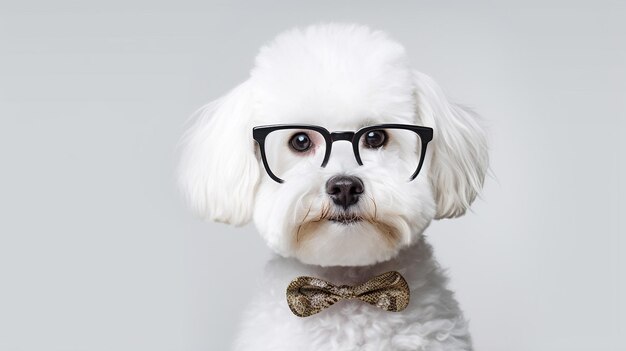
(336, 206)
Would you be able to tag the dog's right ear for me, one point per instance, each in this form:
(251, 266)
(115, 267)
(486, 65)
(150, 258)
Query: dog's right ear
(219, 171)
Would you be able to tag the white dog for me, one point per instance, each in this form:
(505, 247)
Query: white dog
(331, 206)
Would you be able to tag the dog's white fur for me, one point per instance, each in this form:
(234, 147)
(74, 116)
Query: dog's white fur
(341, 77)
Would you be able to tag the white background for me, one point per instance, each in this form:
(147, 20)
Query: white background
(97, 252)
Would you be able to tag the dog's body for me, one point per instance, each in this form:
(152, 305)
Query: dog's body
(358, 213)
(433, 320)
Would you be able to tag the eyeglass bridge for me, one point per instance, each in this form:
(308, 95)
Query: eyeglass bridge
(336, 136)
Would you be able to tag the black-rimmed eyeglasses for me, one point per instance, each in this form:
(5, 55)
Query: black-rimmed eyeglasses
(288, 149)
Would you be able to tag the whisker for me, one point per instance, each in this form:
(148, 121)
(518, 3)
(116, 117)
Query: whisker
(324, 213)
(298, 233)
(375, 207)
(302, 222)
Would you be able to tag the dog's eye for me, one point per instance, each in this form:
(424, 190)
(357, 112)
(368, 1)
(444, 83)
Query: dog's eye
(375, 139)
(300, 142)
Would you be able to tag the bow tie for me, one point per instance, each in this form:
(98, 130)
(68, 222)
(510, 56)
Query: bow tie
(307, 295)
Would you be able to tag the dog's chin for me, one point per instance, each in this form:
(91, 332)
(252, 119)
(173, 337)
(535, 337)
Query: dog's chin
(346, 241)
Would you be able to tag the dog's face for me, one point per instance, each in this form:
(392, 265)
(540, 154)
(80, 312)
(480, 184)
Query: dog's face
(349, 213)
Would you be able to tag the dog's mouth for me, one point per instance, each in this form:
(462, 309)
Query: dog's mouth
(345, 218)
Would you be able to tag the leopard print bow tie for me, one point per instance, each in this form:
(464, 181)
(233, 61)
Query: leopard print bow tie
(307, 295)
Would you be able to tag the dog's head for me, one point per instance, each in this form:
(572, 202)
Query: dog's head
(362, 207)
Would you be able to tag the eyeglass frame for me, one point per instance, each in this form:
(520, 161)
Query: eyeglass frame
(259, 133)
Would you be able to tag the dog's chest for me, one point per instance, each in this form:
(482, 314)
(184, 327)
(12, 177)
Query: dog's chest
(347, 325)
(432, 320)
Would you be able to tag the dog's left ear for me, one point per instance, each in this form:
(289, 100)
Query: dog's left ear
(459, 148)
(219, 171)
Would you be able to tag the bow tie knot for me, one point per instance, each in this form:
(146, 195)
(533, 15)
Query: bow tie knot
(308, 295)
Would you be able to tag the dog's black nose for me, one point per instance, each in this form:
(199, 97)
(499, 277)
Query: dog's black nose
(344, 190)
